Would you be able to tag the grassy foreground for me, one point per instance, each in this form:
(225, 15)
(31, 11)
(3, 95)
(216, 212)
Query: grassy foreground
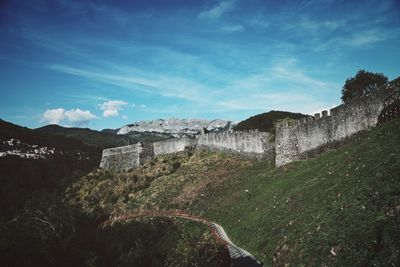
(339, 209)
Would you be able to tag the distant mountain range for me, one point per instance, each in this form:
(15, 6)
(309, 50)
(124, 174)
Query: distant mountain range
(103, 139)
(25, 135)
(177, 127)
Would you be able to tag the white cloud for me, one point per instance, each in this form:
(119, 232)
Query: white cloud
(111, 108)
(110, 113)
(53, 116)
(218, 10)
(61, 116)
(78, 116)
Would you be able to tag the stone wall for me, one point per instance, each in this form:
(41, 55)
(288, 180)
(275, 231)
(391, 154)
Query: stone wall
(124, 158)
(295, 138)
(173, 145)
(251, 143)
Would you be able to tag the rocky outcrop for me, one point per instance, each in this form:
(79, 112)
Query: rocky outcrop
(177, 127)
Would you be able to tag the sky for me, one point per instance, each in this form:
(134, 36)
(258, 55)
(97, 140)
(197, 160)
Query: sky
(104, 64)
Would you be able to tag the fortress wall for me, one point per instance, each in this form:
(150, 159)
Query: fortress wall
(172, 145)
(121, 158)
(295, 138)
(252, 143)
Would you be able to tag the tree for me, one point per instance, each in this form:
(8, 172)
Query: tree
(362, 84)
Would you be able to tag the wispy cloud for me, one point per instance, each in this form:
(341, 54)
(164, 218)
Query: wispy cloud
(290, 101)
(154, 84)
(286, 71)
(369, 37)
(76, 117)
(283, 86)
(218, 10)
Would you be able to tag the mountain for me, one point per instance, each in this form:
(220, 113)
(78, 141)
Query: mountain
(11, 131)
(33, 161)
(114, 131)
(265, 122)
(103, 139)
(177, 127)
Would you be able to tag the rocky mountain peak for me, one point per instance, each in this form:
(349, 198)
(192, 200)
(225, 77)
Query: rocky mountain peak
(177, 127)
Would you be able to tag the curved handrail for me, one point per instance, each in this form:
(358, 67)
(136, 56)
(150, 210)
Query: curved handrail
(217, 230)
(391, 98)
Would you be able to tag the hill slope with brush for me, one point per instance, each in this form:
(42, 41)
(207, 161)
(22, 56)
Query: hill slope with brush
(341, 208)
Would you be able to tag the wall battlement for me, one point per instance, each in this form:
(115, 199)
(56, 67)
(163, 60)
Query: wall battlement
(293, 138)
(249, 143)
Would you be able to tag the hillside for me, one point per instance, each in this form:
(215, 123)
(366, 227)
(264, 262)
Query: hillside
(33, 162)
(9, 130)
(339, 209)
(88, 136)
(265, 122)
(104, 139)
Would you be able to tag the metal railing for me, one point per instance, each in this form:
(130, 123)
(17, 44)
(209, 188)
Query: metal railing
(391, 98)
(217, 231)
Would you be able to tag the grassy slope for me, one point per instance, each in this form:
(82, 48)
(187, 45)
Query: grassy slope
(346, 201)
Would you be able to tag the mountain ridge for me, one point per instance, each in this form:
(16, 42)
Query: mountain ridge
(177, 127)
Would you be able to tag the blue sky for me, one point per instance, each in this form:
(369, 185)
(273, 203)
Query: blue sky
(104, 64)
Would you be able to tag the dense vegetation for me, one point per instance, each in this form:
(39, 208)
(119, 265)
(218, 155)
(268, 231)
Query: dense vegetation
(265, 122)
(102, 139)
(9, 130)
(362, 84)
(22, 178)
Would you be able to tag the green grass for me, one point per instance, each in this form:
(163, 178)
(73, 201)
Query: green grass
(344, 202)
(348, 199)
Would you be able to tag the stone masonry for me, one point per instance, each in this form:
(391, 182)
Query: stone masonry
(247, 143)
(292, 141)
(295, 138)
(124, 158)
(173, 145)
